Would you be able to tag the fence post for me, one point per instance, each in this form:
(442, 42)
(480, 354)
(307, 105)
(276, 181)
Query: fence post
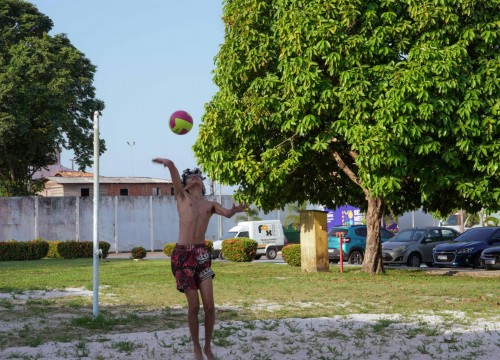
(36, 217)
(116, 225)
(151, 223)
(77, 225)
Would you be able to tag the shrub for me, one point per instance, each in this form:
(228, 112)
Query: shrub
(209, 244)
(104, 246)
(23, 250)
(138, 252)
(53, 253)
(37, 249)
(169, 248)
(75, 249)
(291, 254)
(240, 249)
(81, 249)
(9, 250)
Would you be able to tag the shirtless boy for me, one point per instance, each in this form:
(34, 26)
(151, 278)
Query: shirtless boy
(191, 261)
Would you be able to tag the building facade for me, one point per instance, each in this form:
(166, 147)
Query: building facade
(80, 184)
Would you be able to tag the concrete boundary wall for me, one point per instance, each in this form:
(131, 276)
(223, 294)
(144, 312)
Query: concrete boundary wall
(124, 221)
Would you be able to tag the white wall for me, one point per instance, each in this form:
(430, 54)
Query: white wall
(416, 218)
(124, 221)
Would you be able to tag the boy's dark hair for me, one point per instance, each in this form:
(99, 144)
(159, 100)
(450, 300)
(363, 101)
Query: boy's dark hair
(188, 172)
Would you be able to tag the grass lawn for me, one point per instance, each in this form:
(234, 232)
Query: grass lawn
(142, 295)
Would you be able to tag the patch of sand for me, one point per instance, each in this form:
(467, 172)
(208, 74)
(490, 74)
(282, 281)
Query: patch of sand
(360, 336)
(43, 294)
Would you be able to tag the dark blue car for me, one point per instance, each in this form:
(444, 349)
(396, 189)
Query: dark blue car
(465, 250)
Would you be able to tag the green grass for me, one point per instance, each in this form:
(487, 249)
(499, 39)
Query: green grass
(141, 296)
(255, 287)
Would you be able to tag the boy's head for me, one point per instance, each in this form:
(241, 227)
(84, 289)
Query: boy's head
(187, 173)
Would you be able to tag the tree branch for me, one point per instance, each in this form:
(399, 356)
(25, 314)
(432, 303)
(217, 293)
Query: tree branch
(342, 165)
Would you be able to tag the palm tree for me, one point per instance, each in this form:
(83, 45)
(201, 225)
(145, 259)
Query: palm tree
(292, 218)
(491, 221)
(250, 215)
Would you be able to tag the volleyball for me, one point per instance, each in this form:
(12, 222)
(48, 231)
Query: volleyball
(180, 122)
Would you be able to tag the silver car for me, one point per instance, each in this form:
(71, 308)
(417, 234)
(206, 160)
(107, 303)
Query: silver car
(414, 246)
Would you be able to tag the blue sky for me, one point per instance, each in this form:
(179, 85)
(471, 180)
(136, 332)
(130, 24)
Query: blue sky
(153, 57)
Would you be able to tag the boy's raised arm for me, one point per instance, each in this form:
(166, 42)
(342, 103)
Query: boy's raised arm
(219, 210)
(174, 174)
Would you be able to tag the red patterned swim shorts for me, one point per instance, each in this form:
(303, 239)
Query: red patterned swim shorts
(191, 264)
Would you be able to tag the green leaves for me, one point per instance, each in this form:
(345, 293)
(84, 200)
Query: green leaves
(405, 93)
(46, 98)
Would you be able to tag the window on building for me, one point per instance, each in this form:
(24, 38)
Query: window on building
(123, 192)
(172, 191)
(156, 191)
(84, 192)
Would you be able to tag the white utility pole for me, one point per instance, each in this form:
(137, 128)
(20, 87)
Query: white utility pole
(95, 307)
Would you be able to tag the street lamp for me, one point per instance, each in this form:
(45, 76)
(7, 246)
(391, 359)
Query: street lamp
(132, 144)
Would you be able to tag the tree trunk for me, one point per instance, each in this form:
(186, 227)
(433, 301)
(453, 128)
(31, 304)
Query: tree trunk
(372, 262)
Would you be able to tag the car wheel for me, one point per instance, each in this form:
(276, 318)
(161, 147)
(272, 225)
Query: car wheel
(355, 258)
(414, 260)
(221, 256)
(271, 253)
(257, 257)
(477, 264)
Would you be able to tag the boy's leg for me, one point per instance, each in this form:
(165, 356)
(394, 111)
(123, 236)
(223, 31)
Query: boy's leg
(193, 310)
(207, 296)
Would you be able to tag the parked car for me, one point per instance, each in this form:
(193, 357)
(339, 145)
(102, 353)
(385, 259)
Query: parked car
(465, 250)
(353, 244)
(414, 246)
(490, 258)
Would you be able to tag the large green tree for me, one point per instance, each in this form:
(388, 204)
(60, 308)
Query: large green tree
(47, 99)
(389, 104)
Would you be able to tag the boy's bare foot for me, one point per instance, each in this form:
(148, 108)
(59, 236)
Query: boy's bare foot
(208, 353)
(198, 355)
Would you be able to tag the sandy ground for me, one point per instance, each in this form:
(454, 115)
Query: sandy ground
(351, 337)
(360, 336)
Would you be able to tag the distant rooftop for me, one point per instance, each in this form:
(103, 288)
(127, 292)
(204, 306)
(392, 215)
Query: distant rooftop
(73, 174)
(63, 175)
(106, 180)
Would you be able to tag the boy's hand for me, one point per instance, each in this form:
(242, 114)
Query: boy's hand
(240, 207)
(164, 162)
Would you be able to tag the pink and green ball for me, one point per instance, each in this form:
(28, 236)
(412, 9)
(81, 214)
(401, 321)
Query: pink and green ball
(180, 122)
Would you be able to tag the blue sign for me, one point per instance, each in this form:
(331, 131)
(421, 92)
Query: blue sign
(344, 215)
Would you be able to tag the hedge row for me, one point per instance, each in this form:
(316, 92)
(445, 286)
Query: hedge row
(169, 248)
(81, 249)
(37, 249)
(244, 249)
(23, 250)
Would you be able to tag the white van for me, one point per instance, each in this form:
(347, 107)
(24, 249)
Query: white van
(268, 234)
